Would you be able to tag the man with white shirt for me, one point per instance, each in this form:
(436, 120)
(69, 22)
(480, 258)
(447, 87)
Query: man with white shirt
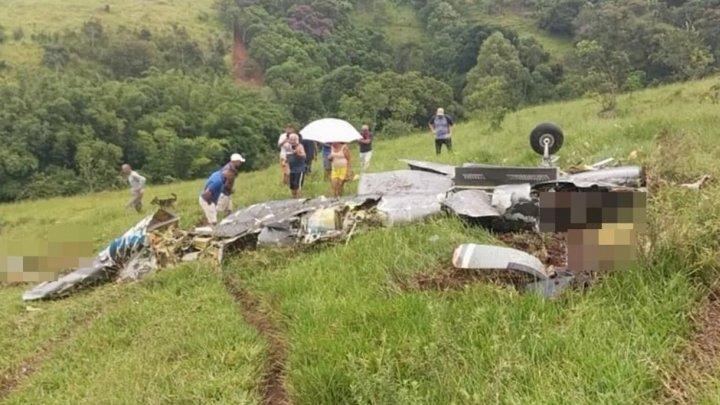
(137, 186)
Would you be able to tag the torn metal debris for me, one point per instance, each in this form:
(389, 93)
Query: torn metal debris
(126, 255)
(437, 168)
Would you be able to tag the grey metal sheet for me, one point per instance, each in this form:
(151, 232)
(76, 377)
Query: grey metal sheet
(471, 203)
(438, 168)
(403, 182)
(409, 207)
(627, 176)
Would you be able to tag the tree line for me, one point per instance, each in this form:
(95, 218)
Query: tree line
(163, 101)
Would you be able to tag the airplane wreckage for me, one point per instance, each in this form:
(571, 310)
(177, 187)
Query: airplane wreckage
(499, 198)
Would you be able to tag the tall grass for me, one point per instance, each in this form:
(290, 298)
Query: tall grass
(354, 333)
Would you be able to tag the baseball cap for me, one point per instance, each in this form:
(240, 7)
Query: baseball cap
(440, 111)
(236, 157)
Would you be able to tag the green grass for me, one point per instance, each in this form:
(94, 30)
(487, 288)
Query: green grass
(353, 334)
(526, 26)
(36, 16)
(400, 23)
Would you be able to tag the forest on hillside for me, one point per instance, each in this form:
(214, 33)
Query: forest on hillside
(165, 101)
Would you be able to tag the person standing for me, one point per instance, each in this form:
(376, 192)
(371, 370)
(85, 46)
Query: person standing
(441, 125)
(137, 187)
(327, 167)
(310, 148)
(365, 146)
(340, 160)
(211, 194)
(282, 141)
(225, 205)
(296, 158)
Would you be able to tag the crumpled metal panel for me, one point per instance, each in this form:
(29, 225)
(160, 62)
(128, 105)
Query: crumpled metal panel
(552, 287)
(472, 256)
(471, 203)
(108, 262)
(80, 278)
(508, 195)
(625, 176)
(437, 168)
(404, 182)
(406, 208)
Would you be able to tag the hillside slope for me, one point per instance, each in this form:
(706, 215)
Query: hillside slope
(34, 17)
(351, 332)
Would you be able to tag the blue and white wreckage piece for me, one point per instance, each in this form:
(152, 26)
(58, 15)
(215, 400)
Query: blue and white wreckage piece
(499, 198)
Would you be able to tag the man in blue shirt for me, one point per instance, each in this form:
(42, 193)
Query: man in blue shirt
(441, 125)
(211, 194)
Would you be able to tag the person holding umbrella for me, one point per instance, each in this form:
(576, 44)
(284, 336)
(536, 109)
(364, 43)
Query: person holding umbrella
(337, 134)
(340, 161)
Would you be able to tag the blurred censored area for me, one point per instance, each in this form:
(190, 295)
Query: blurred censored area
(42, 257)
(601, 227)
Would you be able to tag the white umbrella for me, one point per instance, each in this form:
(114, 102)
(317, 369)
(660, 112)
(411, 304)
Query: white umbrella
(329, 130)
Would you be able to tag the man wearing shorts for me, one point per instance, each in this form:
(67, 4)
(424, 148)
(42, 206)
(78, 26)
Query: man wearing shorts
(225, 205)
(211, 194)
(441, 125)
(296, 161)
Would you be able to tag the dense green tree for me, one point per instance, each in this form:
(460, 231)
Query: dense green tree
(498, 64)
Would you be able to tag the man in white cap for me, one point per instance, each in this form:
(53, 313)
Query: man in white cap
(441, 125)
(137, 185)
(224, 204)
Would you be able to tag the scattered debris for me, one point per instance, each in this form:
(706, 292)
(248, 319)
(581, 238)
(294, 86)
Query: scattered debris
(698, 184)
(122, 256)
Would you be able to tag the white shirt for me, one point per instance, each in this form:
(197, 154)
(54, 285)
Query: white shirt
(136, 181)
(281, 140)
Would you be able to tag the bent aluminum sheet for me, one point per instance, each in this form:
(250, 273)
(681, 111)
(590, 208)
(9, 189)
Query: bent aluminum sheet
(508, 195)
(472, 256)
(404, 182)
(104, 267)
(409, 207)
(280, 213)
(437, 168)
(552, 287)
(626, 176)
(471, 203)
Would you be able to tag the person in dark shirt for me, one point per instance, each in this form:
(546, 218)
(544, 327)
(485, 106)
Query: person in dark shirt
(296, 157)
(441, 125)
(327, 166)
(365, 146)
(310, 148)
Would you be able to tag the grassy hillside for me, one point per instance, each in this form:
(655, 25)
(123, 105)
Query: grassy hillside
(353, 330)
(36, 16)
